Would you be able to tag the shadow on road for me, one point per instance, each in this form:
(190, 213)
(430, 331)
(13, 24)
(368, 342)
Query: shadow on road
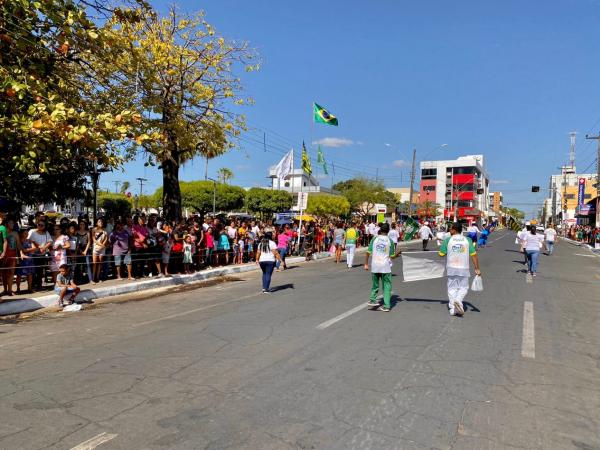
(468, 306)
(282, 287)
(514, 251)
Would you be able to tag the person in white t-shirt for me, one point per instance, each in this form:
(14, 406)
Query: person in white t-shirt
(550, 236)
(266, 256)
(425, 234)
(520, 236)
(532, 243)
(458, 249)
(381, 250)
(394, 234)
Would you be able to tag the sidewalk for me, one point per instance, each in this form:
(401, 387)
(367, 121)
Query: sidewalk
(110, 288)
(581, 244)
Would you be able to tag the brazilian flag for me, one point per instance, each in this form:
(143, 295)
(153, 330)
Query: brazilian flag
(306, 165)
(321, 115)
(321, 160)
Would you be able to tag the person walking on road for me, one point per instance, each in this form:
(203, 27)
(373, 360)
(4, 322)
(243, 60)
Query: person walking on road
(425, 234)
(550, 237)
(457, 249)
(266, 256)
(532, 244)
(350, 238)
(382, 250)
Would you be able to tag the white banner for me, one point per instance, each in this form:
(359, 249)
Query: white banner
(302, 200)
(415, 269)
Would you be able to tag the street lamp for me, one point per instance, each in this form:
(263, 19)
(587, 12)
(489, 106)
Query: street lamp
(214, 195)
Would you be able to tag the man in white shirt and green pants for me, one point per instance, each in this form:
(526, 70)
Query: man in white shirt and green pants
(382, 250)
(457, 249)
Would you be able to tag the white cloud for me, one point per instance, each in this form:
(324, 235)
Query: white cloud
(399, 163)
(322, 176)
(334, 142)
(387, 145)
(500, 182)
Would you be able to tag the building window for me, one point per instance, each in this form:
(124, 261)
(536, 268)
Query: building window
(305, 183)
(428, 174)
(429, 188)
(587, 196)
(570, 196)
(464, 170)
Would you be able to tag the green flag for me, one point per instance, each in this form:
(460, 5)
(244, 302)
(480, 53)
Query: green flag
(410, 229)
(306, 165)
(321, 115)
(321, 160)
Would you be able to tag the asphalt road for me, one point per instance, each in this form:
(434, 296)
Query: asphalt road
(225, 367)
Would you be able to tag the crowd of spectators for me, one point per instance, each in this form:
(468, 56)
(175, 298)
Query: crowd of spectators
(140, 246)
(585, 234)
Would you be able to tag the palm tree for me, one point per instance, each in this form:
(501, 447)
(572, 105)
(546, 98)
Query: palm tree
(125, 186)
(224, 174)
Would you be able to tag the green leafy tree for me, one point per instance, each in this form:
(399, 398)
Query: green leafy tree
(325, 205)
(198, 196)
(514, 212)
(428, 209)
(115, 205)
(267, 201)
(183, 77)
(363, 194)
(57, 115)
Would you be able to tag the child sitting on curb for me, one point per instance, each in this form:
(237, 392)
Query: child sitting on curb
(64, 285)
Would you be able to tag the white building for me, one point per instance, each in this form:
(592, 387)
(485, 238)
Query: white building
(460, 185)
(296, 182)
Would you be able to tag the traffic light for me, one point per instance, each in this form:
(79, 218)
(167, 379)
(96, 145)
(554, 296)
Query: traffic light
(535, 189)
(565, 204)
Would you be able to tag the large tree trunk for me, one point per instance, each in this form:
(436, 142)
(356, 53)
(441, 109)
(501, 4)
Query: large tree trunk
(170, 167)
(171, 190)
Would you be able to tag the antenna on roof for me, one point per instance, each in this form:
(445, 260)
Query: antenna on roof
(573, 135)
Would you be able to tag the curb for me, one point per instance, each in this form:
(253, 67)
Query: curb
(23, 305)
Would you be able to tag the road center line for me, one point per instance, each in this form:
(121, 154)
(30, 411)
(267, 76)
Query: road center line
(94, 442)
(528, 344)
(342, 316)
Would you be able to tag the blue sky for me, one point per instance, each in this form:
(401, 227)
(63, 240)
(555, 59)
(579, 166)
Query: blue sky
(507, 79)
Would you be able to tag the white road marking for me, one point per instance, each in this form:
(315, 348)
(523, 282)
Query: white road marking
(497, 239)
(528, 344)
(342, 316)
(589, 256)
(94, 442)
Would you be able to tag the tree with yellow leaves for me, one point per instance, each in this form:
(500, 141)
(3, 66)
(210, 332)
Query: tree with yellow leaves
(57, 114)
(183, 79)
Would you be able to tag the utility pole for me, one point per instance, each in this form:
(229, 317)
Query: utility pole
(142, 181)
(412, 181)
(597, 138)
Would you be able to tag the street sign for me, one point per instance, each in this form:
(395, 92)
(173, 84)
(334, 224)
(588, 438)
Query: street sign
(302, 200)
(128, 195)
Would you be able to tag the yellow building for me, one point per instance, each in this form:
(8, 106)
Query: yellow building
(571, 193)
